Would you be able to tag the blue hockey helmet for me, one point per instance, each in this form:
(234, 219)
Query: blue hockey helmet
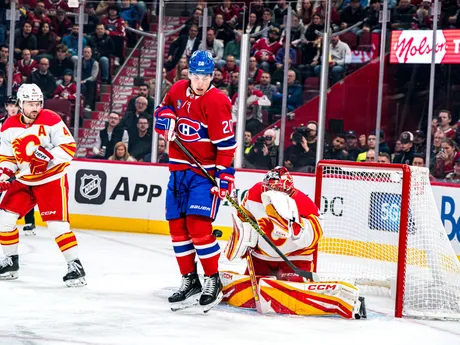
(201, 62)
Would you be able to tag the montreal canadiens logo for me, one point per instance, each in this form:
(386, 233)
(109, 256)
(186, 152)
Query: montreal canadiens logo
(188, 130)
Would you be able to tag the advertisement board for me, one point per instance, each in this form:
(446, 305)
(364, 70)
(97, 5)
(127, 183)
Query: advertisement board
(131, 197)
(415, 46)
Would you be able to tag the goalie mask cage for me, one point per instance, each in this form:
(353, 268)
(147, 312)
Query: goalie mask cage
(382, 228)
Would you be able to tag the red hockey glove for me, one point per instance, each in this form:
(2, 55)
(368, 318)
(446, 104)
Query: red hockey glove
(5, 176)
(225, 182)
(40, 159)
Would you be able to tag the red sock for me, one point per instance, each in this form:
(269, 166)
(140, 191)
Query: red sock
(183, 246)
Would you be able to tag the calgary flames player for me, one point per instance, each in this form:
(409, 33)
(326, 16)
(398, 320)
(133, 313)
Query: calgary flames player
(292, 221)
(38, 147)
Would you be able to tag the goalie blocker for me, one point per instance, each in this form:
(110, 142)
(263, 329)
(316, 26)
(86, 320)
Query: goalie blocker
(292, 221)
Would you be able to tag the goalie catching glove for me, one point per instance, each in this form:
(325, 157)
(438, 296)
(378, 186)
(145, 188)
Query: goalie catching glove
(282, 210)
(40, 159)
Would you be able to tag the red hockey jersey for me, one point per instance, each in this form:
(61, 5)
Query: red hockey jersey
(66, 90)
(116, 26)
(299, 249)
(264, 48)
(204, 125)
(26, 68)
(37, 21)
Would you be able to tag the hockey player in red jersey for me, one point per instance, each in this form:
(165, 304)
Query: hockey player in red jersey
(292, 222)
(200, 116)
(37, 147)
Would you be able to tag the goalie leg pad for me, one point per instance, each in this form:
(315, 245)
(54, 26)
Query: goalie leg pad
(237, 290)
(243, 236)
(312, 299)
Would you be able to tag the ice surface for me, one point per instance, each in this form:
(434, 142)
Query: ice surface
(129, 278)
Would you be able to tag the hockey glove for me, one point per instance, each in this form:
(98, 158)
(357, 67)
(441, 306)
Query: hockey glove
(166, 123)
(5, 176)
(225, 179)
(40, 159)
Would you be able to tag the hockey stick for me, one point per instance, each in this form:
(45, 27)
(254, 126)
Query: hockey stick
(308, 275)
(253, 278)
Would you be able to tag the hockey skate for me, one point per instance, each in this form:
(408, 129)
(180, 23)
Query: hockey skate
(212, 292)
(188, 294)
(75, 277)
(29, 230)
(9, 267)
(360, 309)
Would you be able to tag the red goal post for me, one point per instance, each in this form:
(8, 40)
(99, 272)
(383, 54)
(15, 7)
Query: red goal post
(388, 233)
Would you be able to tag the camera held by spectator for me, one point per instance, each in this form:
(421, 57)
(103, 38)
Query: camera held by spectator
(264, 153)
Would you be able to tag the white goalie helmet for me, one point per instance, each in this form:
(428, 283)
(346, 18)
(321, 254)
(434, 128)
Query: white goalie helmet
(29, 92)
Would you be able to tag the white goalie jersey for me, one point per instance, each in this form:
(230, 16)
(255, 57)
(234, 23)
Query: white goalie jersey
(291, 222)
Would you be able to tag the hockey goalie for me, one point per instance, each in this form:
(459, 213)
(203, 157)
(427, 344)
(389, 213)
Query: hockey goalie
(292, 222)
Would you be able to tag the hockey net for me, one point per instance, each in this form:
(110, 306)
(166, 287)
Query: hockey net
(382, 228)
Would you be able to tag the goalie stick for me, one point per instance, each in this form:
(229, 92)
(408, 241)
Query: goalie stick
(305, 274)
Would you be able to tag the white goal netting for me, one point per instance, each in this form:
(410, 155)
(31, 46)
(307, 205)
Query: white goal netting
(361, 207)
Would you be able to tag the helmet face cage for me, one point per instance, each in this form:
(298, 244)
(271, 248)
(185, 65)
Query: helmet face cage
(279, 180)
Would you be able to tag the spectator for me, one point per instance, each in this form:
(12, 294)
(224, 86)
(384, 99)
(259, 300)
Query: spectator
(265, 86)
(3, 92)
(233, 87)
(229, 12)
(451, 18)
(454, 176)
(214, 46)
(336, 150)
(294, 97)
(384, 158)
(143, 91)
(183, 47)
(218, 79)
(340, 54)
(121, 153)
(89, 73)
(265, 49)
(4, 51)
(311, 41)
(423, 17)
(130, 120)
(253, 71)
(115, 28)
(24, 39)
(11, 106)
(61, 25)
(371, 17)
(419, 160)
(252, 27)
(280, 10)
(140, 141)
(406, 156)
(71, 42)
(68, 89)
(446, 159)
(370, 156)
(163, 156)
(90, 27)
(254, 102)
(352, 145)
(102, 47)
(301, 155)
(247, 141)
(278, 75)
(61, 62)
(184, 74)
(257, 8)
(438, 138)
(305, 11)
(27, 65)
(194, 20)
(37, 18)
(175, 73)
(297, 32)
(264, 153)
(234, 47)
(229, 68)
(165, 86)
(419, 142)
(351, 15)
(223, 31)
(383, 146)
(267, 22)
(109, 136)
(132, 12)
(279, 58)
(43, 79)
(444, 119)
(321, 10)
(46, 42)
(402, 15)
(398, 148)
(52, 6)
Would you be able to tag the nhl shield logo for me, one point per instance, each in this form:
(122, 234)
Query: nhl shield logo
(90, 187)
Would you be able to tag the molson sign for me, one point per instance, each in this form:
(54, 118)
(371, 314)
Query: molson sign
(415, 46)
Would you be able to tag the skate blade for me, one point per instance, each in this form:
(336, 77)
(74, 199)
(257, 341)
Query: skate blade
(209, 306)
(9, 276)
(188, 303)
(29, 232)
(71, 283)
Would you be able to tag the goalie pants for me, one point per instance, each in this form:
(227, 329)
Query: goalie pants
(52, 200)
(280, 269)
(190, 210)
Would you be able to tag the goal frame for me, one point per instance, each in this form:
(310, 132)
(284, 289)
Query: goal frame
(404, 216)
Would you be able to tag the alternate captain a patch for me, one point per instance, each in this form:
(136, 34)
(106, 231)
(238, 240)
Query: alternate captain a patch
(179, 104)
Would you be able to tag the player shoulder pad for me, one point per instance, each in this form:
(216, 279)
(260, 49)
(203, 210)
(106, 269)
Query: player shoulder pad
(216, 96)
(13, 121)
(179, 85)
(47, 118)
(255, 193)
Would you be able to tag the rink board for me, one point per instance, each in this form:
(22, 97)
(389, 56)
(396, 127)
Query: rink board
(131, 197)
